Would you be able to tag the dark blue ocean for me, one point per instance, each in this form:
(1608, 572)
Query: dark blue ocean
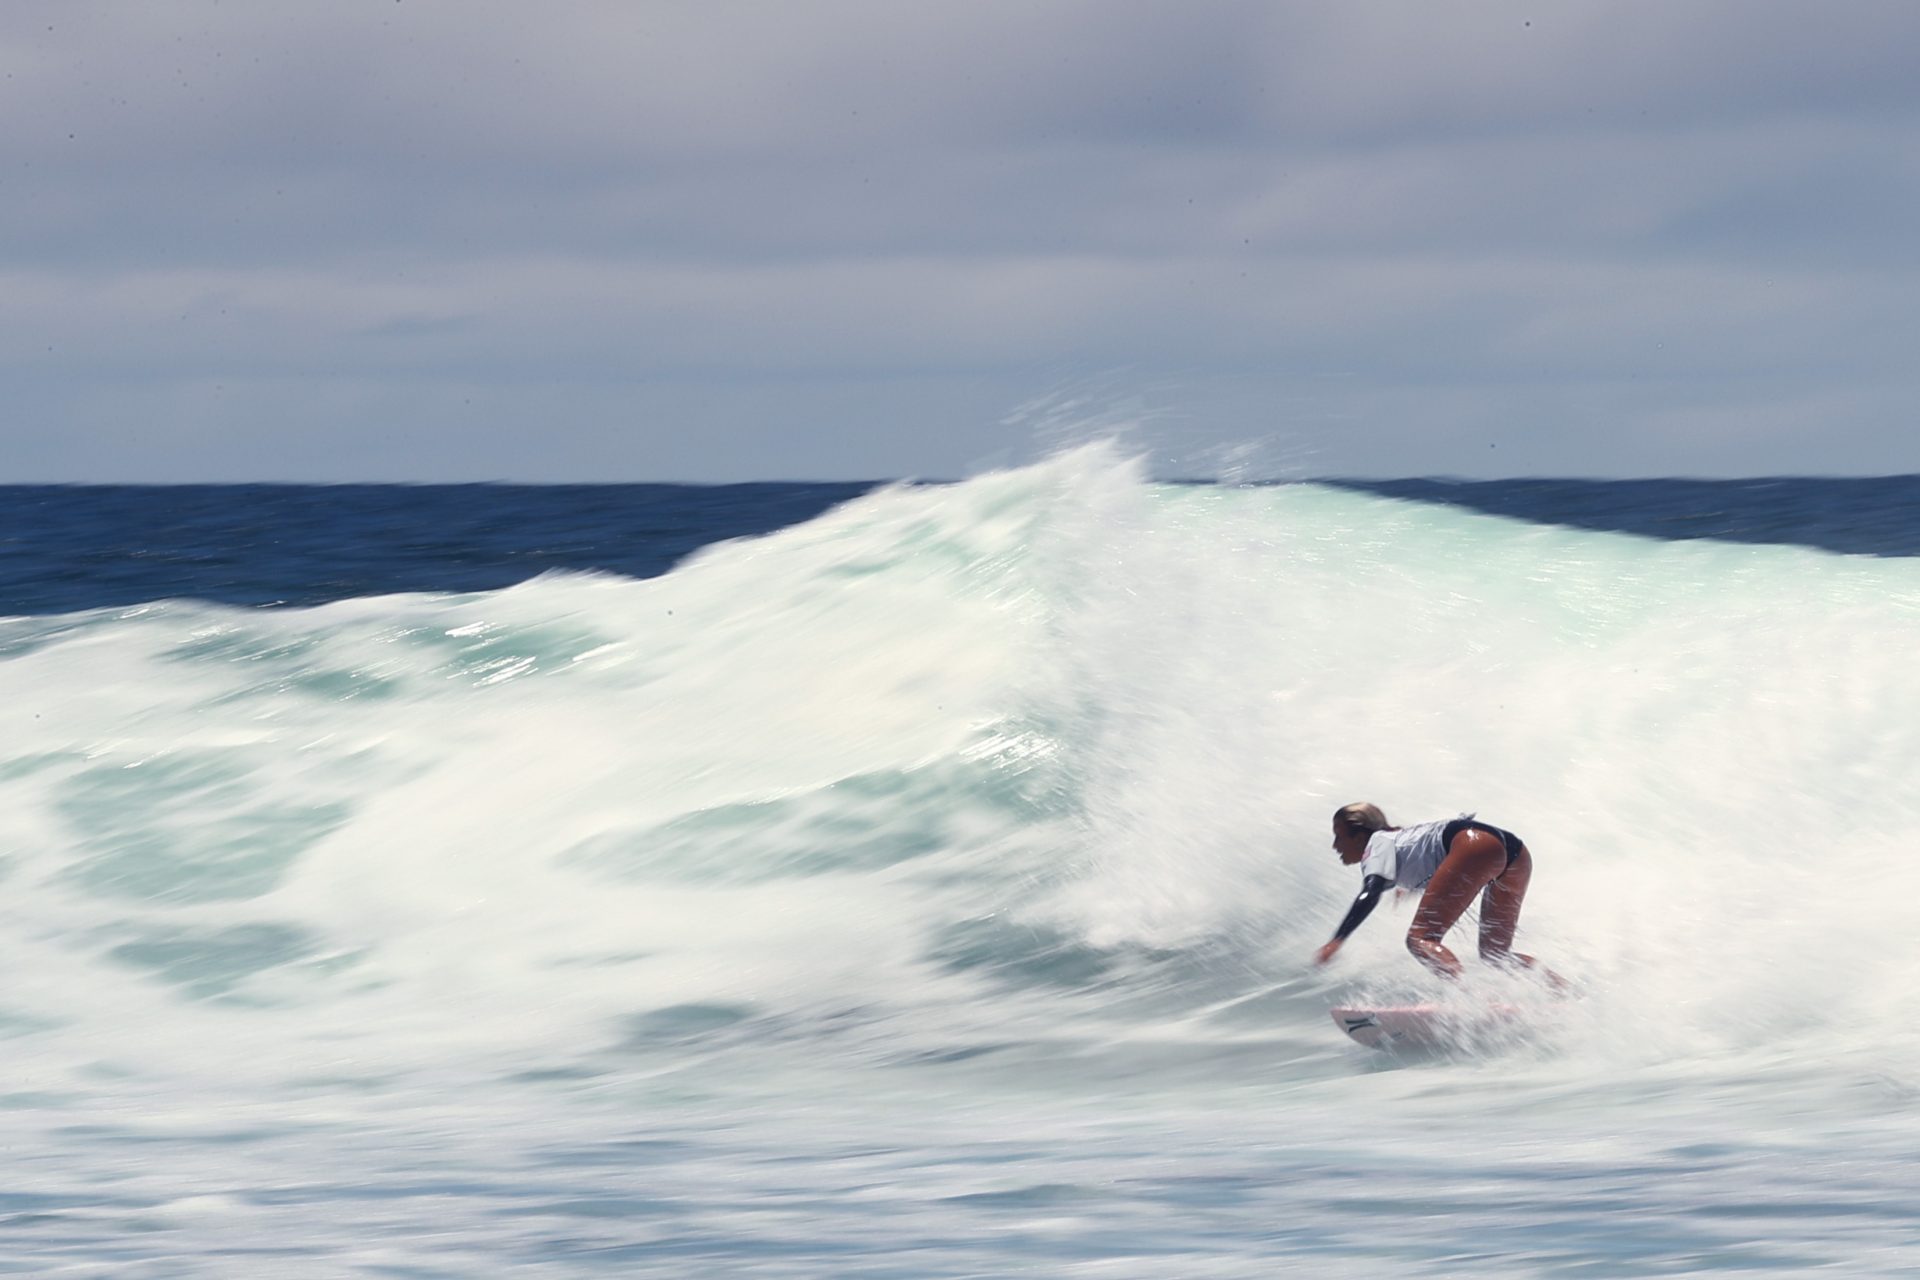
(65, 548)
(802, 880)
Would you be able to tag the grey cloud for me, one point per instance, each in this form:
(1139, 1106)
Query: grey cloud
(1472, 213)
(593, 83)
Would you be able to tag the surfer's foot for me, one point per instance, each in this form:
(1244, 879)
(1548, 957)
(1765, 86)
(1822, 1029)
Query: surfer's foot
(1516, 960)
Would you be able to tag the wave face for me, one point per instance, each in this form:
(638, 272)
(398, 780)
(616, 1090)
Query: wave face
(1043, 758)
(1021, 783)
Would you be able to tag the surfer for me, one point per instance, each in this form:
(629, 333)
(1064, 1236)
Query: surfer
(1453, 860)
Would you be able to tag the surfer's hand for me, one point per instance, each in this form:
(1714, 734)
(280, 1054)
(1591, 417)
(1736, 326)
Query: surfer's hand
(1325, 953)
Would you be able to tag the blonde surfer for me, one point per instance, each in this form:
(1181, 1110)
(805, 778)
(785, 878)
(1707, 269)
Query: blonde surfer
(1452, 860)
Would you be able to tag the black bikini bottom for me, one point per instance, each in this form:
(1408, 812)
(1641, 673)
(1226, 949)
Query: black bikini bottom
(1512, 843)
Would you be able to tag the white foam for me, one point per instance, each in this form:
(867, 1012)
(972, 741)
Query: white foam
(1097, 723)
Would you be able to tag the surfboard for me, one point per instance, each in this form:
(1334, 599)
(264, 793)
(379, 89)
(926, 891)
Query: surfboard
(1421, 1026)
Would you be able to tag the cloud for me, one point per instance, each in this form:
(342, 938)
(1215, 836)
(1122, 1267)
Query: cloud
(1501, 206)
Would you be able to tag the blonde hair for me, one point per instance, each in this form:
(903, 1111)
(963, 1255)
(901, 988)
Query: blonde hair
(1361, 817)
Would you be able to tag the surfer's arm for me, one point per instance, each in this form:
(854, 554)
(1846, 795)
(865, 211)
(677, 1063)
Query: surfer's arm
(1370, 890)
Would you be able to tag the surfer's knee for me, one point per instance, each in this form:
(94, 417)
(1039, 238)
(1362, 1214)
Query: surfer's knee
(1430, 952)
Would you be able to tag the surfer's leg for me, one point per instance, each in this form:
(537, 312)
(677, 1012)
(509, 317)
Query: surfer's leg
(1500, 916)
(1500, 910)
(1473, 859)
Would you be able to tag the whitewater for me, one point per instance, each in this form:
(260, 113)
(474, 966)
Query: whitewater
(930, 889)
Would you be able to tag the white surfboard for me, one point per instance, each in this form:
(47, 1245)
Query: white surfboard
(1422, 1026)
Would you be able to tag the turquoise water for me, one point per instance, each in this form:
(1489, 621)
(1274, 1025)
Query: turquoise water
(927, 889)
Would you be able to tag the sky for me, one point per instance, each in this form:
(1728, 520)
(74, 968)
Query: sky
(453, 240)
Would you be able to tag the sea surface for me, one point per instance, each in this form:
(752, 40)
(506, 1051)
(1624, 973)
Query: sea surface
(921, 880)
